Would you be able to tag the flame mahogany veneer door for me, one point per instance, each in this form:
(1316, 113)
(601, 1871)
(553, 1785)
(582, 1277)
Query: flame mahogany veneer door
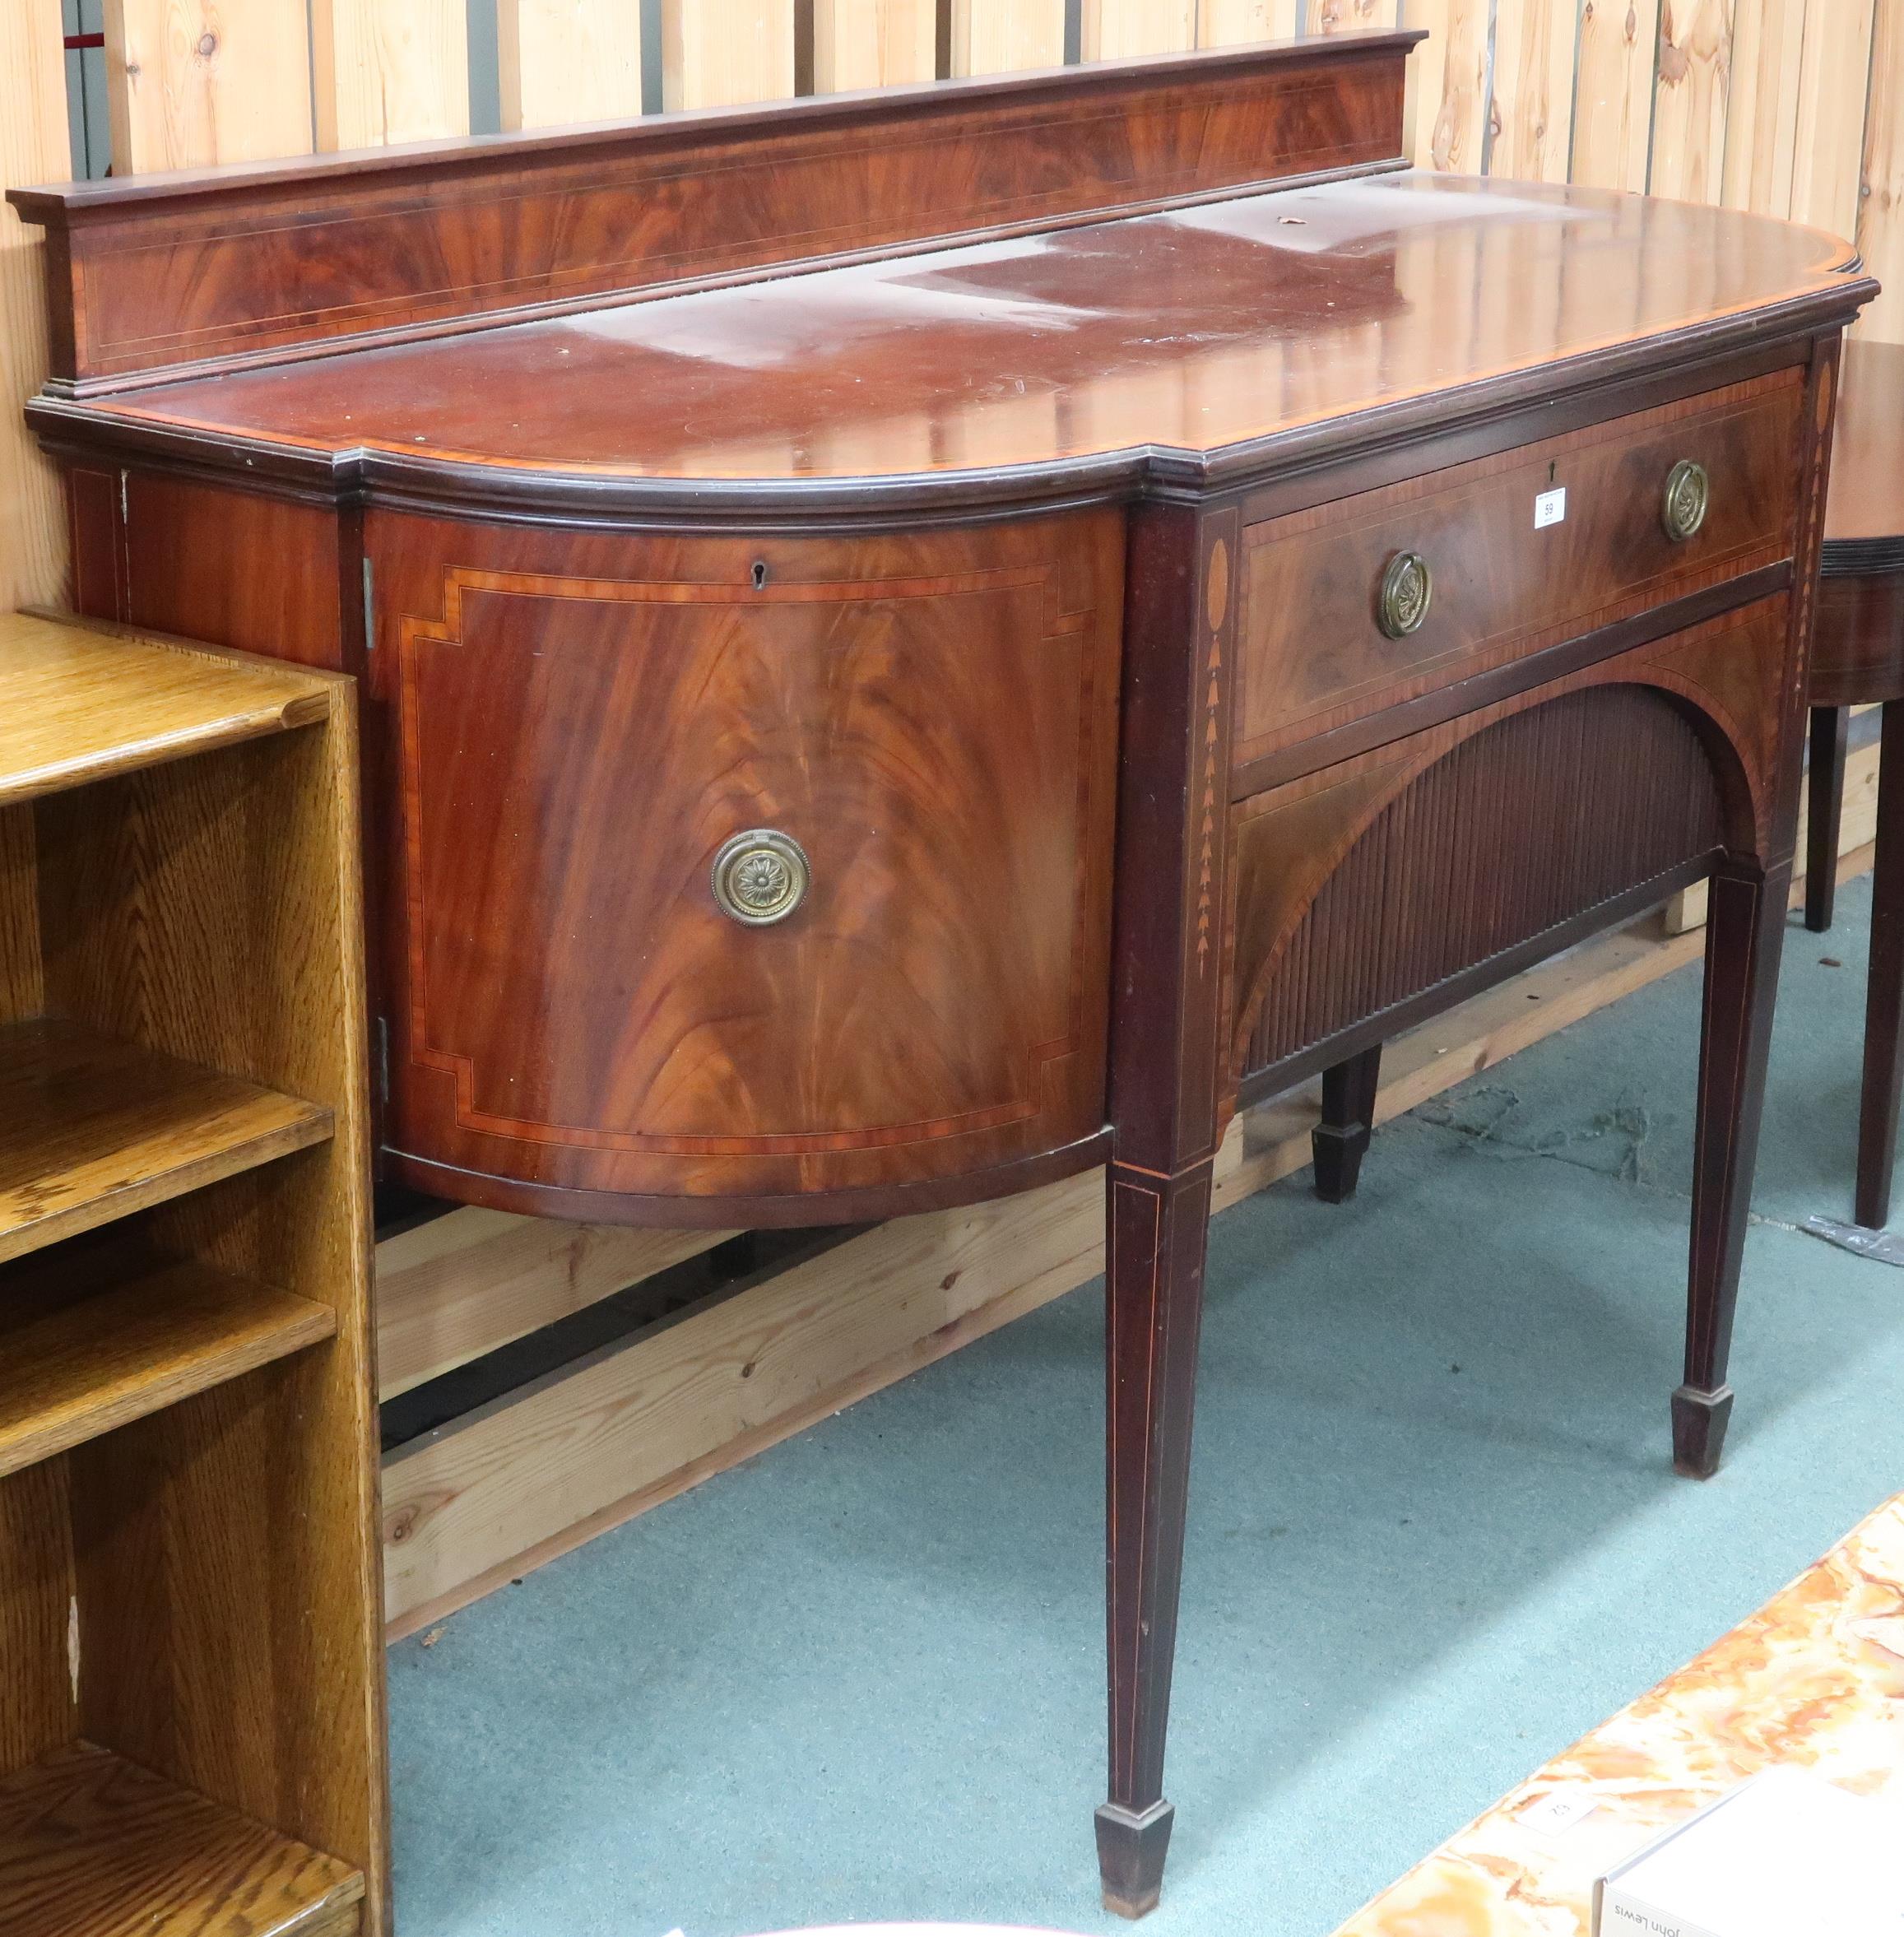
(575, 723)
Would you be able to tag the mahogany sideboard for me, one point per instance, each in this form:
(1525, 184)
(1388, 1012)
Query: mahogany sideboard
(917, 643)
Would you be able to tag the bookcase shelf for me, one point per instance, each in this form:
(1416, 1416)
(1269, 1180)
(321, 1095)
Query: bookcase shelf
(82, 1352)
(92, 1846)
(79, 704)
(192, 1728)
(92, 1129)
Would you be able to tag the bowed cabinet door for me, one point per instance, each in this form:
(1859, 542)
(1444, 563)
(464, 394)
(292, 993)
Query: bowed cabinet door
(898, 755)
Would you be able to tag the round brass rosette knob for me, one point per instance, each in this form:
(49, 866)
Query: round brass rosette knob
(1688, 491)
(1402, 603)
(760, 877)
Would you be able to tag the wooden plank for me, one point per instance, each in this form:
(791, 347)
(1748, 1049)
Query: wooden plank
(91, 1845)
(873, 44)
(559, 61)
(1117, 30)
(33, 150)
(533, 1478)
(1230, 23)
(716, 54)
(541, 1472)
(91, 1130)
(389, 71)
(1351, 16)
(467, 1284)
(1450, 79)
(1690, 99)
(76, 1362)
(1613, 93)
(39, 1708)
(23, 969)
(1834, 88)
(1761, 117)
(1003, 36)
(191, 83)
(1881, 213)
(1530, 116)
(77, 704)
(1857, 828)
(1687, 909)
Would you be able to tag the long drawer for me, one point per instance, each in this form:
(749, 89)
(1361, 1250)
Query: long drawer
(1516, 552)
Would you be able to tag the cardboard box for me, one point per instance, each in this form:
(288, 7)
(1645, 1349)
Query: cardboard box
(1785, 1855)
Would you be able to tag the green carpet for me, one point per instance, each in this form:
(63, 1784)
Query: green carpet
(1434, 1535)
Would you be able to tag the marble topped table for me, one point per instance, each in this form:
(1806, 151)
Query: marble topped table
(1815, 1678)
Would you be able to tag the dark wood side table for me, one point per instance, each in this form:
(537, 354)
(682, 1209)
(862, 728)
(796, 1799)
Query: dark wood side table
(1858, 656)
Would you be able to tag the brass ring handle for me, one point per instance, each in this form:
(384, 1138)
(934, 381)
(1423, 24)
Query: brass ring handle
(1688, 491)
(760, 877)
(1402, 602)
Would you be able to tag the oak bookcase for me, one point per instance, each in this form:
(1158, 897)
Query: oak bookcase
(191, 1670)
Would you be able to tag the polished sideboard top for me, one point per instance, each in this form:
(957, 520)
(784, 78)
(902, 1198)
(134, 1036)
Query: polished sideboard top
(1077, 346)
(1229, 335)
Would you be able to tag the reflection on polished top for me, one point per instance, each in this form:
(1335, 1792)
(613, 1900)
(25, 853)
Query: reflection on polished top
(1867, 489)
(1202, 329)
(1814, 1679)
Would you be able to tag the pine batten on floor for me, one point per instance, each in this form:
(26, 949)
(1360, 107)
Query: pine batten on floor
(532, 1476)
(465, 1284)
